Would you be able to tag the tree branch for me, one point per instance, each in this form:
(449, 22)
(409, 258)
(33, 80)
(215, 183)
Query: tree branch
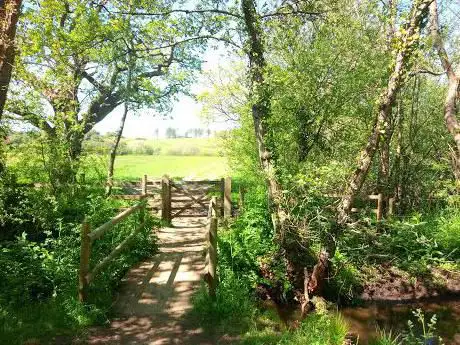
(34, 119)
(167, 13)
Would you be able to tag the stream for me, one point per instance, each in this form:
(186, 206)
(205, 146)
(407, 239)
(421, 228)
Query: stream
(365, 321)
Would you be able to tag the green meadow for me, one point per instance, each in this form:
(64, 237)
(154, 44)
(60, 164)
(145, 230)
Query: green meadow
(205, 167)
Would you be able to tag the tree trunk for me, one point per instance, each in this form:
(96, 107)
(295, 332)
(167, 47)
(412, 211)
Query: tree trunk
(383, 178)
(113, 151)
(9, 13)
(409, 39)
(260, 98)
(384, 165)
(397, 171)
(453, 89)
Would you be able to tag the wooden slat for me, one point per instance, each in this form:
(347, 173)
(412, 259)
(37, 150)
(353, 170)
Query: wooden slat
(178, 190)
(197, 199)
(188, 208)
(185, 199)
(201, 181)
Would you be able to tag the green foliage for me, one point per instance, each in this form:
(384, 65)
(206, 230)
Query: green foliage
(425, 334)
(420, 332)
(247, 240)
(448, 231)
(40, 254)
(317, 330)
(411, 244)
(234, 309)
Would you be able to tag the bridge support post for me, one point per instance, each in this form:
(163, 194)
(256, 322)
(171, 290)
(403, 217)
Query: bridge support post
(166, 199)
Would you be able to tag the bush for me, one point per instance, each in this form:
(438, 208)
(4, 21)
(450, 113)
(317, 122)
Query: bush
(448, 234)
(248, 239)
(40, 260)
(234, 309)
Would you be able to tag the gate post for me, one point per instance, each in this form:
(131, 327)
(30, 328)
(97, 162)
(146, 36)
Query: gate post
(166, 199)
(227, 197)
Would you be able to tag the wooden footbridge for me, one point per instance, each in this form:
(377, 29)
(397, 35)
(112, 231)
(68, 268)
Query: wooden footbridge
(153, 304)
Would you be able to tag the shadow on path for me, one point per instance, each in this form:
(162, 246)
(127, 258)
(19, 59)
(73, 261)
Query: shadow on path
(154, 301)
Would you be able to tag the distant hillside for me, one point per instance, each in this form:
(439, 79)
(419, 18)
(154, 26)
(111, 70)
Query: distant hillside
(163, 147)
(175, 147)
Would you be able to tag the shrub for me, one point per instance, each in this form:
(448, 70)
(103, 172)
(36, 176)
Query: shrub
(248, 239)
(234, 309)
(40, 260)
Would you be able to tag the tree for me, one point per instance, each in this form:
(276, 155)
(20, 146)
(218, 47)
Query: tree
(407, 43)
(70, 76)
(259, 96)
(9, 14)
(119, 133)
(453, 89)
(171, 133)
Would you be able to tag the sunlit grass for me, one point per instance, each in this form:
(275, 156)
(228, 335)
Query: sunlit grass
(206, 167)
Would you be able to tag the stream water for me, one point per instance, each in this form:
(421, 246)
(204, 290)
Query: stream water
(365, 321)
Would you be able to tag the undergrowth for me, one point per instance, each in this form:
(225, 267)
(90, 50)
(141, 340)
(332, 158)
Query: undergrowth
(40, 254)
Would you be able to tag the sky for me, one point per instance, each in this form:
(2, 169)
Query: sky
(185, 114)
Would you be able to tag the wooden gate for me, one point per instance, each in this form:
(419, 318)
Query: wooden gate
(181, 198)
(191, 198)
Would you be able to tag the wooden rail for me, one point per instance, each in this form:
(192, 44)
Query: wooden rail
(86, 275)
(211, 257)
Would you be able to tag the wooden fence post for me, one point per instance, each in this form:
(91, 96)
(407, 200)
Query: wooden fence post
(85, 252)
(212, 248)
(166, 199)
(144, 185)
(227, 197)
(379, 207)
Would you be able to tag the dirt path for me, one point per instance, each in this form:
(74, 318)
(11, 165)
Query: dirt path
(154, 300)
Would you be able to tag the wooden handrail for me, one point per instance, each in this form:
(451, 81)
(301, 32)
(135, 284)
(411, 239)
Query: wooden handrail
(97, 233)
(86, 275)
(113, 254)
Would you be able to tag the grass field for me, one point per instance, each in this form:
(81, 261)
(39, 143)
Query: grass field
(206, 167)
(178, 146)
